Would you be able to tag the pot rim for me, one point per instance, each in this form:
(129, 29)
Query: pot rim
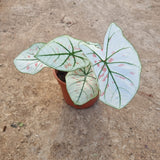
(55, 74)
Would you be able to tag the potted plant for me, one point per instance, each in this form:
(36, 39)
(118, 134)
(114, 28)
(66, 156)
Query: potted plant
(111, 73)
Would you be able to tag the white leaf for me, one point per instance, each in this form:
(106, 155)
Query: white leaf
(82, 85)
(117, 68)
(26, 62)
(63, 53)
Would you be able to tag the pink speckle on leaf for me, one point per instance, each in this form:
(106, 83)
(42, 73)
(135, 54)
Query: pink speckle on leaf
(110, 60)
(76, 48)
(36, 64)
(101, 75)
(131, 84)
(104, 69)
(29, 56)
(69, 47)
(57, 50)
(27, 67)
(105, 78)
(67, 65)
(97, 64)
(121, 77)
(94, 55)
(102, 94)
(132, 73)
(120, 65)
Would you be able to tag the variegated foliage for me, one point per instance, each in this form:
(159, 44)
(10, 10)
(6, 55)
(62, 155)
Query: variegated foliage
(82, 85)
(26, 62)
(117, 67)
(63, 53)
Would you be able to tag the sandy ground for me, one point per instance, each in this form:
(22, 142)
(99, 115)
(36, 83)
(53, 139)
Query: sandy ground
(49, 128)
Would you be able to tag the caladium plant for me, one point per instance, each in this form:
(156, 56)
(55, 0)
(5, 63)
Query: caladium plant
(113, 70)
(63, 54)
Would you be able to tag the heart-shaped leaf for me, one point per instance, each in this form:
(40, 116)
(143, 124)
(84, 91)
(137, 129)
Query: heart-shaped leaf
(26, 62)
(82, 85)
(63, 53)
(117, 68)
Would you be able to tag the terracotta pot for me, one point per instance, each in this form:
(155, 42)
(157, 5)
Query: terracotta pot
(67, 97)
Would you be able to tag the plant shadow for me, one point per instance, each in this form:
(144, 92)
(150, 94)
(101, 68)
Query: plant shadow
(83, 134)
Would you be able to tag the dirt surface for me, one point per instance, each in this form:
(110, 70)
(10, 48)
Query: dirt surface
(36, 123)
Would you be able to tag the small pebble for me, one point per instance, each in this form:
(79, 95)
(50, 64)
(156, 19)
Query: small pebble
(13, 125)
(4, 128)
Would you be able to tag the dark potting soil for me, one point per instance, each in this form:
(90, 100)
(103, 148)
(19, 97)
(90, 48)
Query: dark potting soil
(61, 75)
